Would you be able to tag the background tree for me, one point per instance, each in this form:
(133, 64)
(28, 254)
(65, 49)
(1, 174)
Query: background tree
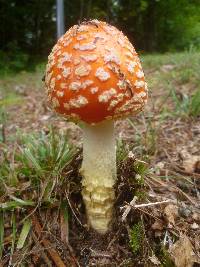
(28, 28)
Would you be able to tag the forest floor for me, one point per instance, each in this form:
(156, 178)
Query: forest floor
(42, 217)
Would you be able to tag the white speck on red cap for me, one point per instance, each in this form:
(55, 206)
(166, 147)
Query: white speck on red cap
(66, 72)
(52, 83)
(58, 77)
(121, 41)
(77, 61)
(101, 74)
(112, 57)
(80, 37)
(83, 70)
(129, 54)
(63, 85)
(82, 28)
(122, 84)
(60, 93)
(78, 102)
(139, 84)
(83, 47)
(139, 74)
(94, 90)
(107, 95)
(66, 57)
(67, 42)
(86, 83)
(89, 57)
(75, 86)
(131, 66)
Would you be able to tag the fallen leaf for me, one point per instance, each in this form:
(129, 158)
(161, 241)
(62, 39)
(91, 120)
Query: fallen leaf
(157, 225)
(155, 260)
(191, 164)
(196, 216)
(182, 252)
(194, 226)
(158, 167)
(171, 212)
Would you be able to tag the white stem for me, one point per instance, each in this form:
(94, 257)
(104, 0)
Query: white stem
(99, 173)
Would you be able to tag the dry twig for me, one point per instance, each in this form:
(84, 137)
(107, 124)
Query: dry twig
(47, 244)
(132, 205)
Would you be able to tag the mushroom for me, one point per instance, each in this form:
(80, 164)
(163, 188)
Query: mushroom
(94, 75)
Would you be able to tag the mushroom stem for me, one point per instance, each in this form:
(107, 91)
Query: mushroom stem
(99, 173)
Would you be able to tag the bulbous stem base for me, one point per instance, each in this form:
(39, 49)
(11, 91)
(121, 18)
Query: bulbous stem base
(99, 174)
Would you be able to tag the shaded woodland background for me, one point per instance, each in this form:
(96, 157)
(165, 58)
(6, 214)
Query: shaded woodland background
(28, 27)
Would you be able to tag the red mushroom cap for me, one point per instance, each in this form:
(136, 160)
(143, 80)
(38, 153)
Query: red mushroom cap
(93, 74)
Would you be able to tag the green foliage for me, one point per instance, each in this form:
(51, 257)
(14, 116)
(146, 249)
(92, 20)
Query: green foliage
(160, 25)
(141, 169)
(136, 237)
(122, 151)
(14, 232)
(179, 86)
(40, 159)
(194, 105)
(24, 233)
(11, 99)
(185, 105)
(2, 124)
(44, 154)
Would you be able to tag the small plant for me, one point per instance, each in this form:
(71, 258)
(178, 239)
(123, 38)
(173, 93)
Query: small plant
(194, 109)
(122, 151)
(2, 125)
(40, 160)
(186, 105)
(165, 258)
(141, 169)
(44, 154)
(136, 237)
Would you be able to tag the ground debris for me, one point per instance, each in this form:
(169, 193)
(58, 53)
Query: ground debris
(171, 212)
(154, 260)
(182, 252)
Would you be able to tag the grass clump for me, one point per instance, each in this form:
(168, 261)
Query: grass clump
(39, 163)
(136, 237)
(194, 107)
(187, 106)
(44, 154)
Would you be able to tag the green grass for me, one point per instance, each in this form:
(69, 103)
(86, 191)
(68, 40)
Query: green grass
(176, 77)
(39, 161)
(186, 106)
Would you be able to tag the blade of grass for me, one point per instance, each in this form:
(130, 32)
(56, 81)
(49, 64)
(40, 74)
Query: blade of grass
(15, 204)
(64, 225)
(24, 233)
(13, 223)
(1, 233)
(32, 159)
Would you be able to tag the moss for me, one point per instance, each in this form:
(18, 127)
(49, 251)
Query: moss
(136, 237)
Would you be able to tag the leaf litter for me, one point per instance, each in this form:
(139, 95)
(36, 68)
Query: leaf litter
(158, 162)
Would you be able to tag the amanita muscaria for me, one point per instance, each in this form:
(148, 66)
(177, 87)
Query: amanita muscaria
(94, 75)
